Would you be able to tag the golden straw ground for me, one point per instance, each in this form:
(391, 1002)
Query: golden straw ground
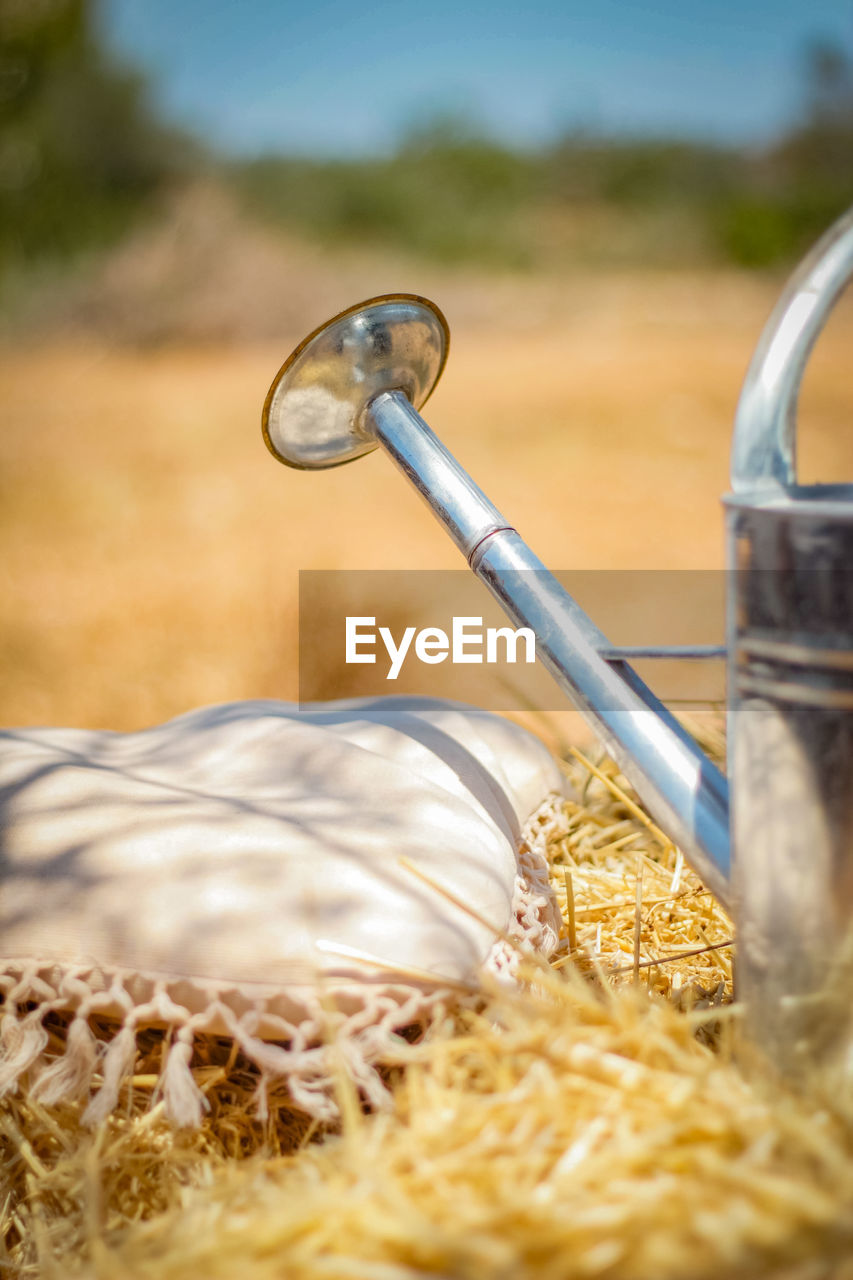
(591, 1125)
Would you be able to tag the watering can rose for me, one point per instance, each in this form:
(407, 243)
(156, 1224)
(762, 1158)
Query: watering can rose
(468, 641)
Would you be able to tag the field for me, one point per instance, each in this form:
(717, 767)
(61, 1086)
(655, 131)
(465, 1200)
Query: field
(151, 546)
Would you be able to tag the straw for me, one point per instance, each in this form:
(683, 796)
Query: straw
(586, 1121)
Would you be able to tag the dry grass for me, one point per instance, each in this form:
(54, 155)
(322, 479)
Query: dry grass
(592, 1125)
(151, 547)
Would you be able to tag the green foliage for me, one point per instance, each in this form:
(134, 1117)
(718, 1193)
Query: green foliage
(80, 149)
(759, 231)
(786, 198)
(753, 232)
(445, 194)
(638, 172)
(82, 153)
(454, 195)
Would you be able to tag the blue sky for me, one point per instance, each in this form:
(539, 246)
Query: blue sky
(337, 77)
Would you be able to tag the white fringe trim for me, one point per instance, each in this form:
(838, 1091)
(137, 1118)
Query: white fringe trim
(354, 1028)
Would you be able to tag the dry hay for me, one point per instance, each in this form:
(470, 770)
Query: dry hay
(593, 1124)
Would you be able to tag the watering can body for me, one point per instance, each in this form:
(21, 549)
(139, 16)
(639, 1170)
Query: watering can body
(790, 680)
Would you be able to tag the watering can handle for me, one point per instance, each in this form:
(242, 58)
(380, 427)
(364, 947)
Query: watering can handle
(764, 444)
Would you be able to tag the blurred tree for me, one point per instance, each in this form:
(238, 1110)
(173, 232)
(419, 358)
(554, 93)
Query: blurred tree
(829, 81)
(81, 150)
(82, 153)
(449, 193)
(786, 198)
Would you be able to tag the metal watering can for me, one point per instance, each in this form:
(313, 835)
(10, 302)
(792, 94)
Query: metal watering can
(782, 855)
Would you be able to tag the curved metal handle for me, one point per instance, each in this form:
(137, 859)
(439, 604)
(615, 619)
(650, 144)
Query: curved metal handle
(764, 443)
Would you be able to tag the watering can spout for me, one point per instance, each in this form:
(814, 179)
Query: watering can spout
(358, 383)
